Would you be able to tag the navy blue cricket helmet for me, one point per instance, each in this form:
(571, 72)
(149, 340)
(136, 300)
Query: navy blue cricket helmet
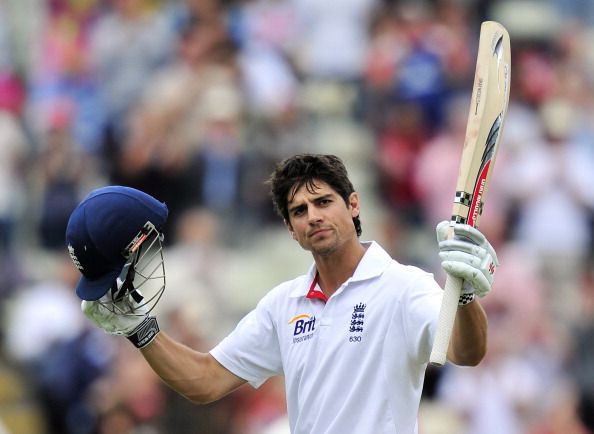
(105, 230)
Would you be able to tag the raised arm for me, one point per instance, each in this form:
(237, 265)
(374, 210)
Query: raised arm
(195, 375)
(114, 239)
(468, 255)
(468, 343)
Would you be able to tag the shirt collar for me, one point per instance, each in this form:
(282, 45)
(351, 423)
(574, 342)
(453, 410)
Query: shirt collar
(373, 263)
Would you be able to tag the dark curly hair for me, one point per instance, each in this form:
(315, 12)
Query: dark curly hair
(304, 169)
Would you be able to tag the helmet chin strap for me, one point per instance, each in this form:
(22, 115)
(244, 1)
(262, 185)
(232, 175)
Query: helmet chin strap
(121, 288)
(141, 282)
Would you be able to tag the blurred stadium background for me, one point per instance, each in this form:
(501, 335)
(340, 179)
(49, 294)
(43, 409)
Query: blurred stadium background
(194, 100)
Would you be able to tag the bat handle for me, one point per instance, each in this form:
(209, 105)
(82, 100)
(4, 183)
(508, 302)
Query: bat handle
(445, 323)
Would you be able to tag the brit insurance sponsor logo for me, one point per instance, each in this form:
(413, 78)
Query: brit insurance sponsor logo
(303, 327)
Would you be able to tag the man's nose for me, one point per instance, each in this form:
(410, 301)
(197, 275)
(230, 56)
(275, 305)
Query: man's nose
(313, 215)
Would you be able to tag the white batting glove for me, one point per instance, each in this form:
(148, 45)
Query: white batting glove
(139, 328)
(468, 255)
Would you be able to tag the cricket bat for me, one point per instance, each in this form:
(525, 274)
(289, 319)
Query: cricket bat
(488, 106)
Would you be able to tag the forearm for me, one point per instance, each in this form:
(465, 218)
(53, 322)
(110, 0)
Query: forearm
(197, 376)
(468, 343)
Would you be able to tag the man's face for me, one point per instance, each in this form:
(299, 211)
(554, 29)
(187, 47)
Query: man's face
(322, 222)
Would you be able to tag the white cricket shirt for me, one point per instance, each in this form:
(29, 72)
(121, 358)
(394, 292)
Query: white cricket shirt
(353, 364)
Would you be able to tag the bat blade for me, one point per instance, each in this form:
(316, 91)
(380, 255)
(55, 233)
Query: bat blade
(488, 107)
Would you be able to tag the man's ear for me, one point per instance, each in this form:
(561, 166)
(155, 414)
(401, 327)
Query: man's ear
(291, 231)
(354, 204)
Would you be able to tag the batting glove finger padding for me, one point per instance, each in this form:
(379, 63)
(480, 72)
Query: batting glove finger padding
(139, 328)
(467, 255)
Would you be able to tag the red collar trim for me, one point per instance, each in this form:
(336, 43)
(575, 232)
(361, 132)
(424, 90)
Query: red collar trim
(314, 293)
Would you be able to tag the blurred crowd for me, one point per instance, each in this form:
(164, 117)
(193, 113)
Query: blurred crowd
(193, 101)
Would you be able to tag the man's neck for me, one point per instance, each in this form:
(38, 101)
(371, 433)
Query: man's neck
(333, 270)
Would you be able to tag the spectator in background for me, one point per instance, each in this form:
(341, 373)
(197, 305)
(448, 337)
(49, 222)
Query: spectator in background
(128, 398)
(195, 276)
(550, 181)
(190, 115)
(324, 30)
(221, 148)
(62, 75)
(437, 164)
(265, 33)
(275, 127)
(415, 59)
(14, 152)
(61, 172)
(52, 347)
(400, 143)
(128, 43)
(420, 76)
(12, 92)
(581, 356)
(332, 75)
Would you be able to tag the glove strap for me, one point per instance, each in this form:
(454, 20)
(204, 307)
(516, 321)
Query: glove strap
(465, 299)
(144, 334)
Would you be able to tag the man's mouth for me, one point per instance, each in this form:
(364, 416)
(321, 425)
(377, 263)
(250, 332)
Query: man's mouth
(318, 232)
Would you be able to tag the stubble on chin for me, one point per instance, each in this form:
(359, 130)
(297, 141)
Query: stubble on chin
(325, 247)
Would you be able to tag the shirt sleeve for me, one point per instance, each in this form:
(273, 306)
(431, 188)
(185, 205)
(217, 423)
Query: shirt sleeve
(421, 311)
(251, 351)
